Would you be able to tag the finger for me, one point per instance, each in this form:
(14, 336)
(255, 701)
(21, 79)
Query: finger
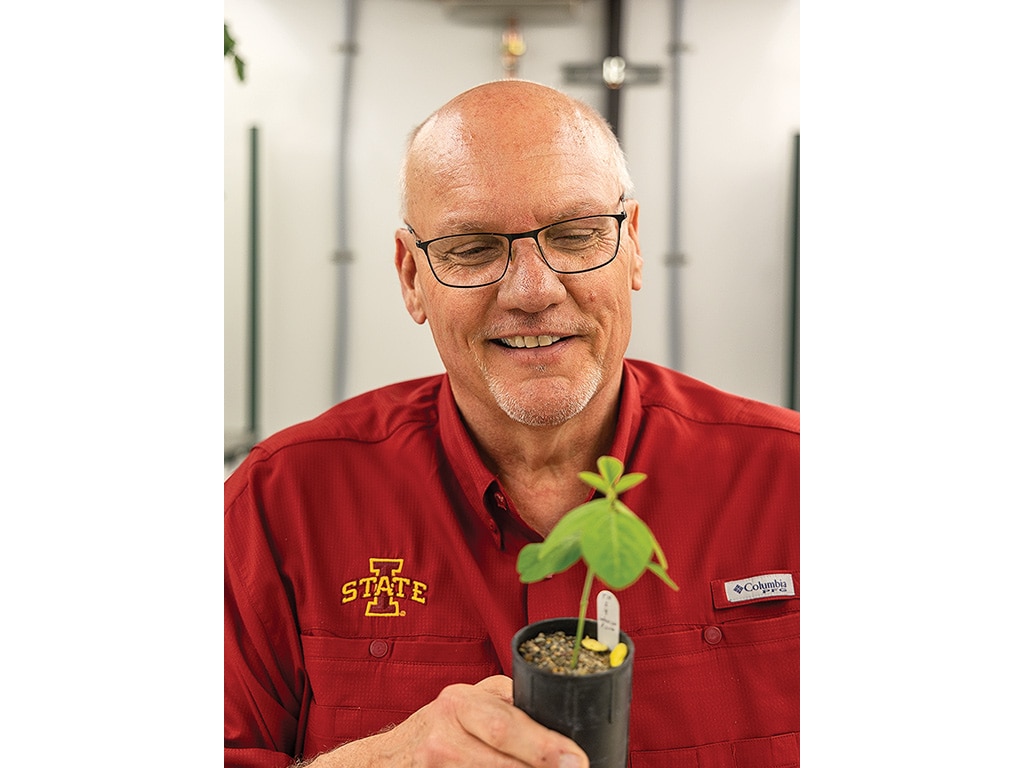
(499, 685)
(512, 732)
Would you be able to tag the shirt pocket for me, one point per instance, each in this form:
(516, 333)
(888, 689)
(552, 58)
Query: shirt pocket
(781, 751)
(360, 686)
(724, 695)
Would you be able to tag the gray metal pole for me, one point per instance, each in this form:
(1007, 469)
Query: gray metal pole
(675, 258)
(253, 424)
(342, 255)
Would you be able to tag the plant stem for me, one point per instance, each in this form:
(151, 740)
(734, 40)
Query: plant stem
(583, 616)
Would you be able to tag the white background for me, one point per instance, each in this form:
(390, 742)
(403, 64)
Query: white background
(111, 392)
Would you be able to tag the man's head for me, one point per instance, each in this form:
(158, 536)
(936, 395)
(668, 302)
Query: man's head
(510, 157)
(501, 97)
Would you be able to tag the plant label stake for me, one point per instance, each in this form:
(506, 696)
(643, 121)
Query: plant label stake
(607, 618)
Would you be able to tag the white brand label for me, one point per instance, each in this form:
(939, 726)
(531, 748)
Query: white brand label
(759, 587)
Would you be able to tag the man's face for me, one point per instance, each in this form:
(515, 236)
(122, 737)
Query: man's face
(537, 345)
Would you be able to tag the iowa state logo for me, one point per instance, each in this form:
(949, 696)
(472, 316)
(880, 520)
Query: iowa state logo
(385, 589)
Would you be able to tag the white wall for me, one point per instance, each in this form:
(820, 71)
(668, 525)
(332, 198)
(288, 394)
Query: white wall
(740, 112)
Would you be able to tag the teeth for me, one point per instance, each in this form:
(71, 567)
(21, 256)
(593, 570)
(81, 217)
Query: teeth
(530, 341)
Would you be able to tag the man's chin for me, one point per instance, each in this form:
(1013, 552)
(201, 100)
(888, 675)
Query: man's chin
(533, 417)
(543, 406)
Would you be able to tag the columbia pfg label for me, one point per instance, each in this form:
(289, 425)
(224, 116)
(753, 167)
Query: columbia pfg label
(765, 586)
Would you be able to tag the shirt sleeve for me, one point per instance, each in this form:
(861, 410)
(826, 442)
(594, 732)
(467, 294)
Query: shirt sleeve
(264, 681)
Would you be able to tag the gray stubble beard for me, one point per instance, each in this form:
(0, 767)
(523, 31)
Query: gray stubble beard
(522, 413)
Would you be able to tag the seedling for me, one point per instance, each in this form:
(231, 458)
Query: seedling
(616, 545)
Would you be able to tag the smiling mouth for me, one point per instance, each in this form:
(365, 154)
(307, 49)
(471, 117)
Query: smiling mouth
(521, 342)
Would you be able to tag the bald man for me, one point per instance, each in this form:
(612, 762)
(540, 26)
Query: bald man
(371, 589)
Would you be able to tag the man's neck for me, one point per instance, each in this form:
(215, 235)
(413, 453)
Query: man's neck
(538, 465)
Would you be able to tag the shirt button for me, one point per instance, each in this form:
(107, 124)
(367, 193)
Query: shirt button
(379, 648)
(712, 635)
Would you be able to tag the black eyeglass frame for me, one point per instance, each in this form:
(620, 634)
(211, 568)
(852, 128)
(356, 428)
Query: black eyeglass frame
(532, 234)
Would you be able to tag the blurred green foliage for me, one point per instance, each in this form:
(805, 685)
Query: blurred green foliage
(229, 52)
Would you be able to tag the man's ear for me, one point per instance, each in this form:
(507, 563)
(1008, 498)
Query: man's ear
(633, 236)
(408, 276)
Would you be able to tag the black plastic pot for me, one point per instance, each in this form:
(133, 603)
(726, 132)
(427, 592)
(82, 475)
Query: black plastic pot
(592, 710)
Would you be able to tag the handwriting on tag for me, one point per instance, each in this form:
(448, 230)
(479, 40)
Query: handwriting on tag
(607, 618)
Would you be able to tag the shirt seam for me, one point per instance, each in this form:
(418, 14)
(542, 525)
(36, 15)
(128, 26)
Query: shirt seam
(268, 453)
(721, 421)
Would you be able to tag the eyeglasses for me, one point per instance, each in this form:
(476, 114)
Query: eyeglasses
(568, 247)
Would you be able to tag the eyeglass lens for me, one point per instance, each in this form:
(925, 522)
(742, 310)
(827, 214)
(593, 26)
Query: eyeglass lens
(569, 246)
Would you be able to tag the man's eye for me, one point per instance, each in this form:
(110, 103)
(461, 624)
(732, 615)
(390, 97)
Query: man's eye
(473, 252)
(573, 239)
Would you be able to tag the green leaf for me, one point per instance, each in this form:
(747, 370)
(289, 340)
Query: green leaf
(610, 468)
(622, 509)
(595, 481)
(240, 68)
(628, 481)
(563, 541)
(561, 549)
(575, 522)
(660, 572)
(531, 566)
(615, 543)
(563, 556)
(229, 43)
(618, 547)
(658, 553)
(536, 562)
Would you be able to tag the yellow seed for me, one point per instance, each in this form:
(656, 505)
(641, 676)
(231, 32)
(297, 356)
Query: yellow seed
(618, 655)
(594, 645)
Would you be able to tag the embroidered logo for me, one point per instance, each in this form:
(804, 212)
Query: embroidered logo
(385, 588)
(759, 587)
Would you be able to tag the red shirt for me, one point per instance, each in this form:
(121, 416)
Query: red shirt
(370, 561)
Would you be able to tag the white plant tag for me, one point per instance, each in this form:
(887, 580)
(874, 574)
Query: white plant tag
(607, 618)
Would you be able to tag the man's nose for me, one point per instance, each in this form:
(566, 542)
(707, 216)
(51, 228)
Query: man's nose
(530, 284)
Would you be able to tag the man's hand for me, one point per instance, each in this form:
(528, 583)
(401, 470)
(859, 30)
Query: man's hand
(466, 725)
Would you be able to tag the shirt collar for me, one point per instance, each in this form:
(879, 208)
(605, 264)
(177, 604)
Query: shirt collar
(468, 469)
(630, 413)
